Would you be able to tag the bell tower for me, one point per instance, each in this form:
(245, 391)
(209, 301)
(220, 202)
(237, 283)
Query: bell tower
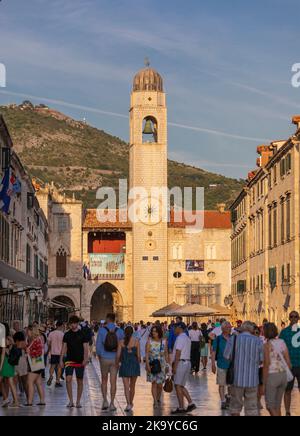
(148, 170)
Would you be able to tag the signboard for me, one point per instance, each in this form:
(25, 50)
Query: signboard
(194, 265)
(107, 266)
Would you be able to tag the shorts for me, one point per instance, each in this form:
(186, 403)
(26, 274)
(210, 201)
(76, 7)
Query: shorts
(54, 359)
(275, 388)
(296, 374)
(108, 367)
(182, 373)
(221, 377)
(79, 371)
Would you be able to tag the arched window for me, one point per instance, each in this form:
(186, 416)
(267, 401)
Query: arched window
(61, 263)
(150, 129)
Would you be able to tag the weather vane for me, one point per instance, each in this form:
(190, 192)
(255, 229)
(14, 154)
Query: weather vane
(147, 62)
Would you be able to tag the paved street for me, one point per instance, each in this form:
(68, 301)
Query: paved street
(202, 387)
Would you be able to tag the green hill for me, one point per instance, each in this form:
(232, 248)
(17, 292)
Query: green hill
(80, 158)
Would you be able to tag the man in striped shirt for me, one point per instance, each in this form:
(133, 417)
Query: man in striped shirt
(248, 356)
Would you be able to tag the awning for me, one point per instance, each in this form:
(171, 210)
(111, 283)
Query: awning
(18, 277)
(163, 311)
(221, 311)
(192, 310)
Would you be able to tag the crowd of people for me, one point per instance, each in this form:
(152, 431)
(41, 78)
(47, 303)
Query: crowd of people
(249, 361)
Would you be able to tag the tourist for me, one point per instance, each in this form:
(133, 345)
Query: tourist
(55, 344)
(172, 335)
(21, 369)
(276, 364)
(35, 356)
(290, 335)
(181, 367)
(75, 348)
(7, 371)
(204, 345)
(245, 352)
(195, 336)
(130, 358)
(157, 362)
(220, 365)
(106, 347)
(143, 336)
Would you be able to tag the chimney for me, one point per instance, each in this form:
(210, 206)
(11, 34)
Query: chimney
(265, 153)
(296, 120)
(221, 207)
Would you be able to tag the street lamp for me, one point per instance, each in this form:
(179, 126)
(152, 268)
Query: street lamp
(32, 294)
(285, 286)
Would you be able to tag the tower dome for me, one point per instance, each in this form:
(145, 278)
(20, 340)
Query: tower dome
(148, 79)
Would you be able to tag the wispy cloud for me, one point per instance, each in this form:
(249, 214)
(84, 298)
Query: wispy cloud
(115, 114)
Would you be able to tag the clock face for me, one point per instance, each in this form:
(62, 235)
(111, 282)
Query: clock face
(149, 211)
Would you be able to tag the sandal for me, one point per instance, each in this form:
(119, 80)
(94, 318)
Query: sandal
(178, 411)
(70, 405)
(78, 406)
(41, 404)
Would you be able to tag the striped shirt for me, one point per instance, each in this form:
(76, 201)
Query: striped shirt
(248, 357)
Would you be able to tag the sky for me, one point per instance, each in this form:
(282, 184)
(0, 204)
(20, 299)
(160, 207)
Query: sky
(226, 67)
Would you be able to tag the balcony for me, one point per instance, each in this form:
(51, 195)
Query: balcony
(106, 266)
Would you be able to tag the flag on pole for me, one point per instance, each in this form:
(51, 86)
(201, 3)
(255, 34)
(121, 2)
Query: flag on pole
(6, 190)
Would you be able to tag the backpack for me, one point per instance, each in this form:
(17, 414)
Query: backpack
(14, 356)
(111, 340)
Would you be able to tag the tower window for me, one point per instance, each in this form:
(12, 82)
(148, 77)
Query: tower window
(149, 130)
(145, 257)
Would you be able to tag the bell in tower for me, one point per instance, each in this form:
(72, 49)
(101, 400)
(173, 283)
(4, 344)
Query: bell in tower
(150, 130)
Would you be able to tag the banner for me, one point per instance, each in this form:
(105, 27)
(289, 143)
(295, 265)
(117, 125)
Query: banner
(194, 265)
(107, 266)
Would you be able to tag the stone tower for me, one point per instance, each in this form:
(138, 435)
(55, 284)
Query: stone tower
(148, 170)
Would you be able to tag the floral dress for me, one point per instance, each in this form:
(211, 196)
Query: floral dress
(157, 351)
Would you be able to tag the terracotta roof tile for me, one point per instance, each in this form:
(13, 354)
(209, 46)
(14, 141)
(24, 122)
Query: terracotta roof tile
(212, 220)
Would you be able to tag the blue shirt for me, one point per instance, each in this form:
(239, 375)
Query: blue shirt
(248, 357)
(219, 345)
(107, 355)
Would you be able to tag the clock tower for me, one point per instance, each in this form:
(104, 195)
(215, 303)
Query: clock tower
(148, 170)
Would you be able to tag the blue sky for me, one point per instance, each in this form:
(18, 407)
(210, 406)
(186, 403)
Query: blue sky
(226, 68)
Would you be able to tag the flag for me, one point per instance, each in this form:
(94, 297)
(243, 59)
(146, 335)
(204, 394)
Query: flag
(6, 190)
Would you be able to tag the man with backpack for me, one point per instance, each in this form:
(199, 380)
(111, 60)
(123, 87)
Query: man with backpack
(106, 348)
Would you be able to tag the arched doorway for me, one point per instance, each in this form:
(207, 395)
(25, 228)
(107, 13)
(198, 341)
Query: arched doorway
(62, 308)
(106, 299)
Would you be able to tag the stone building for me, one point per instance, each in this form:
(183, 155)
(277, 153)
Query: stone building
(136, 267)
(265, 235)
(23, 241)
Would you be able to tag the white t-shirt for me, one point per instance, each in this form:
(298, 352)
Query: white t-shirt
(183, 343)
(217, 331)
(195, 335)
(2, 336)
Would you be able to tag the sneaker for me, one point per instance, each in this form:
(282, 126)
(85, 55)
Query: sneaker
(105, 405)
(128, 408)
(5, 403)
(191, 407)
(178, 411)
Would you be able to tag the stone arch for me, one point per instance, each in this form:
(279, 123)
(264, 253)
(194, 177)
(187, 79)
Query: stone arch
(63, 306)
(106, 299)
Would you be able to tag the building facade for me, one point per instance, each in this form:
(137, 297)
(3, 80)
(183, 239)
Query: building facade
(23, 241)
(265, 235)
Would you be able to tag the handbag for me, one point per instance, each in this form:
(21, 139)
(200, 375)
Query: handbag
(230, 371)
(168, 386)
(36, 363)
